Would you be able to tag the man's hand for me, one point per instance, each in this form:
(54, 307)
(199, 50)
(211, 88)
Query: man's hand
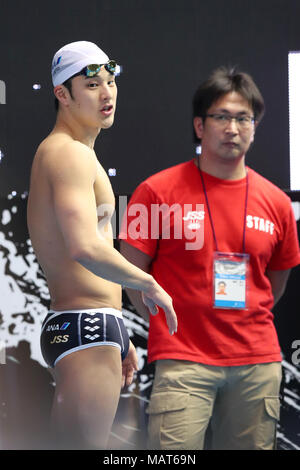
(158, 296)
(129, 365)
(146, 300)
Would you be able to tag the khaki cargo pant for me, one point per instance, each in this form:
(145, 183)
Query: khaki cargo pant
(241, 403)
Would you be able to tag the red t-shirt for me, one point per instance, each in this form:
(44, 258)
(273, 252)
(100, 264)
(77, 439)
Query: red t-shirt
(206, 334)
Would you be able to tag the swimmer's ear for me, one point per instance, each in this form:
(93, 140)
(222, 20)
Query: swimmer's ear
(61, 94)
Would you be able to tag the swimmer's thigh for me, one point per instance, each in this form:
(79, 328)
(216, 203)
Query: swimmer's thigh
(88, 384)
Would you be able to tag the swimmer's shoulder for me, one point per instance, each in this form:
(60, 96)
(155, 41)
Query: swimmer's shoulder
(59, 152)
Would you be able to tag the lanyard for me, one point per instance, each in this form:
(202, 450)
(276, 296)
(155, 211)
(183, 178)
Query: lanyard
(209, 212)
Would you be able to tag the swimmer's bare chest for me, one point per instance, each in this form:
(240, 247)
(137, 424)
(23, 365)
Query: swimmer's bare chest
(71, 285)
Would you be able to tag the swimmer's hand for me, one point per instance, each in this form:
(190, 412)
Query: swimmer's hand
(129, 365)
(157, 296)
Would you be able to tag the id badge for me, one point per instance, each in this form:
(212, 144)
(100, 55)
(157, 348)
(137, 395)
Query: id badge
(230, 280)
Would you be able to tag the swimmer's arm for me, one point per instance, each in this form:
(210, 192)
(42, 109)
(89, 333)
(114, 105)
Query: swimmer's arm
(76, 213)
(72, 177)
(278, 280)
(142, 261)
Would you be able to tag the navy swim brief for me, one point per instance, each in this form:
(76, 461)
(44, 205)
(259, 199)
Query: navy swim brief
(72, 330)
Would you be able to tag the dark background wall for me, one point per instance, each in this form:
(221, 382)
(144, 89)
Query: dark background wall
(166, 47)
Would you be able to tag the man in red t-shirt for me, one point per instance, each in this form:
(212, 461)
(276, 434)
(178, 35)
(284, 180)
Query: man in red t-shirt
(195, 227)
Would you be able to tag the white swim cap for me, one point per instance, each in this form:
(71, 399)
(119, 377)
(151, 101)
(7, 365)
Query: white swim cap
(73, 57)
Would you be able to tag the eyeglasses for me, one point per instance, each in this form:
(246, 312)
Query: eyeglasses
(94, 69)
(244, 121)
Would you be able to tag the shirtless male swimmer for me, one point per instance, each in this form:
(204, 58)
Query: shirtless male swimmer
(83, 337)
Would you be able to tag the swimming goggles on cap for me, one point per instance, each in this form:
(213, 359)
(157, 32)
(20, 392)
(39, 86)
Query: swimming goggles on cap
(94, 69)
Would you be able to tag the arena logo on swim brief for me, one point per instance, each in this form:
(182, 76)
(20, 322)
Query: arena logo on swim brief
(92, 320)
(92, 338)
(92, 328)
